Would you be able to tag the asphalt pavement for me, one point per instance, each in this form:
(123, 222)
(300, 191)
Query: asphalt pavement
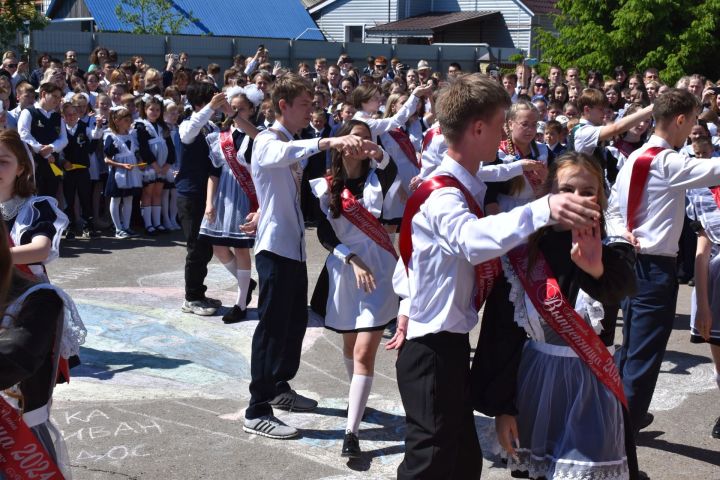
(160, 393)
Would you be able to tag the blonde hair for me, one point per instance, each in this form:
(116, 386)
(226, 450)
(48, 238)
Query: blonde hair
(391, 101)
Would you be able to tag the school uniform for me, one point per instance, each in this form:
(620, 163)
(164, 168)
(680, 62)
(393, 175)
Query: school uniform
(432, 368)
(378, 126)
(706, 213)
(82, 142)
(349, 308)
(280, 262)
(122, 149)
(38, 127)
(649, 315)
(398, 144)
(232, 204)
(313, 167)
(585, 138)
(191, 184)
(153, 147)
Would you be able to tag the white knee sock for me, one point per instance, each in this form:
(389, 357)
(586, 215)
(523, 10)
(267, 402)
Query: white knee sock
(115, 213)
(146, 213)
(127, 206)
(156, 211)
(243, 278)
(164, 204)
(359, 392)
(349, 366)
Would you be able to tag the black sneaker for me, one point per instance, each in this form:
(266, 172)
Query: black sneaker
(214, 302)
(293, 402)
(351, 446)
(69, 235)
(716, 429)
(235, 315)
(253, 286)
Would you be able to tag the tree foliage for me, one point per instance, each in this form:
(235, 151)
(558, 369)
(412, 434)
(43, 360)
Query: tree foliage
(13, 15)
(155, 17)
(678, 37)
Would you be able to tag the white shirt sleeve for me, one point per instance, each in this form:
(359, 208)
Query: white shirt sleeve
(587, 138)
(401, 286)
(270, 152)
(499, 172)
(190, 128)
(382, 125)
(24, 125)
(62, 140)
(478, 240)
(615, 225)
(685, 173)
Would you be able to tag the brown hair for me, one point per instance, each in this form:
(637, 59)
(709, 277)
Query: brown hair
(25, 182)
(468, 99)
(6, 266)
(673, 103)
(288, 88)
(517, 183)
(337, 169)
(591, 97)
(118, 114)
(363, 94)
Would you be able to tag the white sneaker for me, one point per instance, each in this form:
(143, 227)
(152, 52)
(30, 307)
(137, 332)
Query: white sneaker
(198, 307)
(269, 426)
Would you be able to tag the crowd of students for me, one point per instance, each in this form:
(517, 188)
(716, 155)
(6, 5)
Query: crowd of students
(552, 202)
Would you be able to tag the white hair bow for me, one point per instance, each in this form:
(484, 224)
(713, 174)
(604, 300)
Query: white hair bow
(147, 97)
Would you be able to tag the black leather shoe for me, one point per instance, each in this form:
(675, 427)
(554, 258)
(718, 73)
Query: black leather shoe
(351, 446)
(646, 420)
(235, 315)
(716, 429)
(253, 285)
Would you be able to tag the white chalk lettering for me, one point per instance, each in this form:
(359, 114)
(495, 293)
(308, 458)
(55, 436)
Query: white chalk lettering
(98, 432)
(123, 428)
(153, 425)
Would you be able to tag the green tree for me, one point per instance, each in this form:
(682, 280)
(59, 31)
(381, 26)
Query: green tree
(155, 17)
(675, 36)
(13, 15)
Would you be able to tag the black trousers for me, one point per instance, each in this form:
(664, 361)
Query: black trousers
(433, 375)
(199, 251)
(78, 181)
(45, 180)
(277, 342)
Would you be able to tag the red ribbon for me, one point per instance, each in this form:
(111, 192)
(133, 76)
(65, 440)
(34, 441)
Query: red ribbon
(365, 221)
(403, 140)
(429, 135)
(544, 292)
(241, 174)
(22, 456)
(716, 195)
(486, 272)
(638, 179)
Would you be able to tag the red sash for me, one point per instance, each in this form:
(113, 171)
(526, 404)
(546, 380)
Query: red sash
(626, 148)
(638, 179)
(403, 140)
(359, 216)
(63, 366)
(429, 135)
(22, 456)
(544, 292)
(241, 174)
(486, 272)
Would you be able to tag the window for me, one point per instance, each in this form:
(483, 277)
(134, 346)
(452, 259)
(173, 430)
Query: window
(355, 33)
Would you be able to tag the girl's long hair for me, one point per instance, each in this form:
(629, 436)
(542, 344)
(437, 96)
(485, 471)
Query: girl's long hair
(25, 182)
(569, 160)
(337, 170)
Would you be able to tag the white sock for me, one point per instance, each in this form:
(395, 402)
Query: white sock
(359, 392)
(127, 206)
(146, 213)
(172, 206)
(243, 278)
(115, 213)
(349, 366)
(156, 212)
(164, 205)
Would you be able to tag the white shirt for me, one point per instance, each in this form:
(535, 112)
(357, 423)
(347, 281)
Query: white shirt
(660, 214)
(433, 152)
(448, 241)
(275, 167)
(190, 128)
(25, 124)
(587, 137)
(378, 126)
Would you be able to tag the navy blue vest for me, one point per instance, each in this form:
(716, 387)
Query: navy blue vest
(44, 130)
(195, 167)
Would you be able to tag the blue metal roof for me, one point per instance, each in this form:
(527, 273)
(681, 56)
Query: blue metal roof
(236, 18)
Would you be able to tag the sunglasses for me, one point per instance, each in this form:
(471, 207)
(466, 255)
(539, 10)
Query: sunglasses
(12, 65)
(380, 66)
(542, 85)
